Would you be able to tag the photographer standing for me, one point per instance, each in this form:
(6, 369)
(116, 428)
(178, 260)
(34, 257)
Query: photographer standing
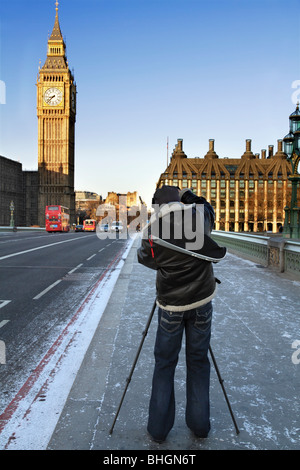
(185, 286)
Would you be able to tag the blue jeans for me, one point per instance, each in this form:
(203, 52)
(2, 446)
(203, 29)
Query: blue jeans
(197, 326)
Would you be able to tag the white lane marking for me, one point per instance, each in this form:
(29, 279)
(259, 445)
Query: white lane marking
(41, 247)
(46, 290)
(4, 302)
(88, 259)
(74, 269)
(3, 322)
(20, 239)
(100, 250)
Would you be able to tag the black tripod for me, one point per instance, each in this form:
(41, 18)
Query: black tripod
(136, 359)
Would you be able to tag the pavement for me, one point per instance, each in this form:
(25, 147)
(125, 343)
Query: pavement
(256, 344)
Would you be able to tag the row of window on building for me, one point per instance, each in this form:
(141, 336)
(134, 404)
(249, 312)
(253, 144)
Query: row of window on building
(251, 196)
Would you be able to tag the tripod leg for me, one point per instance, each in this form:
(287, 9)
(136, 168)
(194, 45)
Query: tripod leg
(134, 364)
(224, 391)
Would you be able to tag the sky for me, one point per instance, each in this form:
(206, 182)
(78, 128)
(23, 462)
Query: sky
(149, 72)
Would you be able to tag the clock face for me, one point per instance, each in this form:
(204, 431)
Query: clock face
(53, 96)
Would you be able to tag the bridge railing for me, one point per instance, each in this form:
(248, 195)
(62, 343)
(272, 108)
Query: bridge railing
(22, 229)
(280, 254)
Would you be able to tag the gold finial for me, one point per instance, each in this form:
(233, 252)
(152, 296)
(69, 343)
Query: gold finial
(56, 5)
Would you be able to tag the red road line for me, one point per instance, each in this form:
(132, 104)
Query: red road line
(24, 390)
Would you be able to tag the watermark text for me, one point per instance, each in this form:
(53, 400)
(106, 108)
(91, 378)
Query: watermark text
(175, 221)
(2, 92)
(2, 353)
(296, 354)
(296, 93)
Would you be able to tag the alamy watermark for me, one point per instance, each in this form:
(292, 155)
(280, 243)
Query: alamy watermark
(296, 354)
(296, 93)
(175, 221)
(2, 92)
(2, 353)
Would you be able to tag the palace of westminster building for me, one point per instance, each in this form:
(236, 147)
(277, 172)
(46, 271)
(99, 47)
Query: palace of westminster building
(53, 182)
(247, 193)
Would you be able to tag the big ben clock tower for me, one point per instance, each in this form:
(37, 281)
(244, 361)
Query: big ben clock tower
(56, 112)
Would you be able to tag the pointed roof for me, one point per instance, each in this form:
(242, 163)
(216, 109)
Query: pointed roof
(56, 33)
(56, 56)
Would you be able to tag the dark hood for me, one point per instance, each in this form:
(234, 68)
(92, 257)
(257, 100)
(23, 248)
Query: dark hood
(166, 194)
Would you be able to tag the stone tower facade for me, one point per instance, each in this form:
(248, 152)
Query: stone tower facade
(56, 112)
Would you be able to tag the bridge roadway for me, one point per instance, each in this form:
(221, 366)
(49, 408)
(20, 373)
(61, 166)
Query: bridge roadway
(255, 340)
(44, 278)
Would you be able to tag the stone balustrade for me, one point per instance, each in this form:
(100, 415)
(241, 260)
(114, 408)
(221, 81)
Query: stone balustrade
(277, 253)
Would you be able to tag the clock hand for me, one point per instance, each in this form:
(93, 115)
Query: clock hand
(50, 99)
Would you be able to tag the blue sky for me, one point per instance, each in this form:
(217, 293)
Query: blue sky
(148, 70)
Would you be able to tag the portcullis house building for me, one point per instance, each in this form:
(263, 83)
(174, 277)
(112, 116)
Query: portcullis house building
(247, 193)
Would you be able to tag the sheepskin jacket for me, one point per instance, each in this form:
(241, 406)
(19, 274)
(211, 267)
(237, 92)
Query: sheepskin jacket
(185, 277)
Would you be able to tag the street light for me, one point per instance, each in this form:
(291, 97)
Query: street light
(291, 146)
(12, 208)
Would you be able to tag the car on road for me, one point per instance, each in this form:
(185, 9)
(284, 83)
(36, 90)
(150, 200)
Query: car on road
(79, 228)
(116, 226)
(104, 228)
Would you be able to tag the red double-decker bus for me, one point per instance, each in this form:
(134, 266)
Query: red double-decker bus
(89, 225)
(57, 219)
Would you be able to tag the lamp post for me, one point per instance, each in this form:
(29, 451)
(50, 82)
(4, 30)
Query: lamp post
(291, 143)
(12, 208)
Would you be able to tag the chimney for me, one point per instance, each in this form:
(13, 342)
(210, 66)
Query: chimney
(248, 152)
(179, 144)
(271, 147)
(211, 151)
(178, 152)
(279, 153)
(263, 154)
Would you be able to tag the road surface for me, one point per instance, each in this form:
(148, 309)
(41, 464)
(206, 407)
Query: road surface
(44, 279)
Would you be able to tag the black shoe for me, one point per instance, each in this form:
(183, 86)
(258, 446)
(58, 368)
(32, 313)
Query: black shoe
(201, 436)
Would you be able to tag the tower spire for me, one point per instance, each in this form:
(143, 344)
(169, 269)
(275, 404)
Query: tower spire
(56, 55)
(56, 33)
